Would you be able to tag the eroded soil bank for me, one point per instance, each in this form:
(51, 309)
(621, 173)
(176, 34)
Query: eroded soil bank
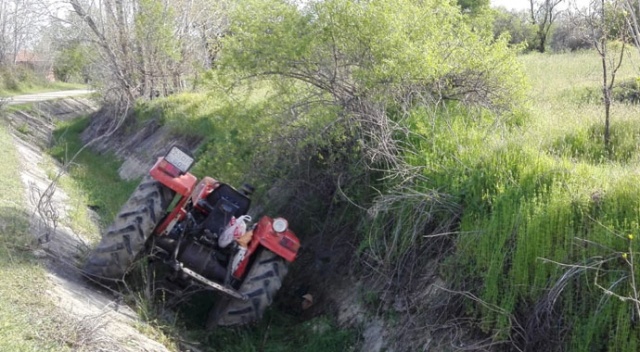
(100, 320)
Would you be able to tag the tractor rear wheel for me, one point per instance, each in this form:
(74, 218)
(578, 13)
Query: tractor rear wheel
(127, 235)
(261, 284)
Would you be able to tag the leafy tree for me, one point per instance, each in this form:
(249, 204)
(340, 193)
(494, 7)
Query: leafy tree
(150, 47)
(363, 49)
(71, 63)
(514, 23)
(473, 6)
(344, 76)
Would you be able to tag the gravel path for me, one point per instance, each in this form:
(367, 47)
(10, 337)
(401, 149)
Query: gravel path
(30, 98)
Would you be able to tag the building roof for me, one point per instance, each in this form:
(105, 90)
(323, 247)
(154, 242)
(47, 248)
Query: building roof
(28, 56)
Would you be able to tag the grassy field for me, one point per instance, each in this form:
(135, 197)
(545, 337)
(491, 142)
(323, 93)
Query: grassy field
(550, 220)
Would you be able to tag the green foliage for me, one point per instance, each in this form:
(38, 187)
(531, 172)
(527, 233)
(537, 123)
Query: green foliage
(95, 176)
(529, 188)
(154, 28)
(9, 81)
(473, 6)
(232, 130)
(20, 80)
(278, 332)
(332, 62)
(586, 144)
(616, 21)
(71, 63)
(627, 91)
(381, 49)
(521, 208)
(514, 24)
(539, 194)
(526, 189)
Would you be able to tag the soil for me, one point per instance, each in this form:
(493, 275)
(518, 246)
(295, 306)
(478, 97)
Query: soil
(108, 324)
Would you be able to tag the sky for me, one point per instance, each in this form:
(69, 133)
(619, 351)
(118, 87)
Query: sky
(524, 4)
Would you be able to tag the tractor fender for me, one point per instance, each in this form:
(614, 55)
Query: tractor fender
(285, 244)
(182, 184)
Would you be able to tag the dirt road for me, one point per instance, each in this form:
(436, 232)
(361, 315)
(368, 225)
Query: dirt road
(31, 98)
(108, 324)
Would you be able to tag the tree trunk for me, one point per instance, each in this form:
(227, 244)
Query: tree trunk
(606, 87)
(120, 76)
(542, 42)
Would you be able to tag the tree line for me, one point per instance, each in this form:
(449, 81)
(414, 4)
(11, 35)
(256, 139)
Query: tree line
(149, 48)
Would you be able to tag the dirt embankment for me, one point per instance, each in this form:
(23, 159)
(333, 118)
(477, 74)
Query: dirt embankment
(102, 322)
(138, 144)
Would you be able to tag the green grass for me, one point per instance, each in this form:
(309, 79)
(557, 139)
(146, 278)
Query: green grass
(42, 88)
(27, 318)
(534, 188)
(557, 98)
(17, 81)
(92, 180)
(546, 190)
(231, 126)
(543, 189)
(278, 332)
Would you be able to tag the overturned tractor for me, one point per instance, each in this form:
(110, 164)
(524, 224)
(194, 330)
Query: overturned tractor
(201, 231)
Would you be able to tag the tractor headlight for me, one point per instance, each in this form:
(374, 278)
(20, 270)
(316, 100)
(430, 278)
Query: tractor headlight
(280, 225)
(179, 159)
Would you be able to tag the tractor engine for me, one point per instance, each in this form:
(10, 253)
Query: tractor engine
(193, 241)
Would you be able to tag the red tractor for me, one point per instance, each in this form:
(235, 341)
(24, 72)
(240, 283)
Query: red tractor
(186, 224)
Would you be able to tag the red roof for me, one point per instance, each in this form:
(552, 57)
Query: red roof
(26, 56)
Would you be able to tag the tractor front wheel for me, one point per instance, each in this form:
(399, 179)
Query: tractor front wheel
(127, 235)
(261, 284)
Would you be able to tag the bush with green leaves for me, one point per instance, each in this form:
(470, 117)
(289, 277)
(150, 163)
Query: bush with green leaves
(72, 63)
(516, 25)
(385, 51)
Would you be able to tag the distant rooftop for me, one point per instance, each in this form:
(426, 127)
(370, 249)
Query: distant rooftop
(25, 56)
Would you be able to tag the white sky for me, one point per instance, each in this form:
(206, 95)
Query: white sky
(524, 4)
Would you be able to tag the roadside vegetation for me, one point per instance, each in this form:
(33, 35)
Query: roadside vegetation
(407, 142)
(24, 81)
(530, 218)
(550, 218)
(91, 179)
(28, 319)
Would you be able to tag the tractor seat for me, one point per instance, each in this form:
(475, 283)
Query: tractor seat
(225, 203)
(228, 193)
